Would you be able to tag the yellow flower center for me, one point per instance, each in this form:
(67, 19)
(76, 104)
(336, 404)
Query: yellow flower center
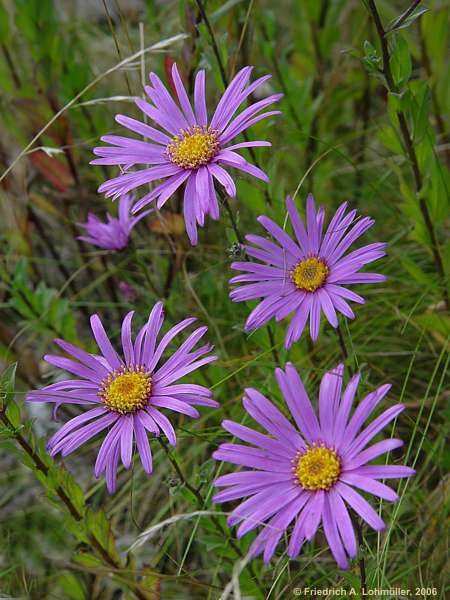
(310, 274)
(193, 147)
(317, 469)
(127, 390)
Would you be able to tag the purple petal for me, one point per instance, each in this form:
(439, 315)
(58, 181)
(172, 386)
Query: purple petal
(329, 396)
(127, 344)
(74, 424)
(232, 159)
(361, 506)
(165, 425)
(171, 187)
(385, 471)
(143, 445)
(223, 178)
(175, 405)
(371, 431)
(75, 439)
(74, 367)
(112, 438)
(126, 440)
(265, 413)
(372, 452)
(344, 523)
(297, 325)
(327, 307)
(314, 318)
(104, 344)
(344, 409)
(298, 402)
(315, 514)
(227, 104)
(331, 533)
(199, 99)
(143, 129)
(154, 324)
(111, 468)
(257, 439)
(189, 210)
(369, 485)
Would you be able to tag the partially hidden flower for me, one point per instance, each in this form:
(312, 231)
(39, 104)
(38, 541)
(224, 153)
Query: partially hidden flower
(306, 275)
(305, 475)
(128, 291)
(115, 233)
(124, 394)
(187, 147)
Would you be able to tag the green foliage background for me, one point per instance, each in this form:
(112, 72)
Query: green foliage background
(341, 136)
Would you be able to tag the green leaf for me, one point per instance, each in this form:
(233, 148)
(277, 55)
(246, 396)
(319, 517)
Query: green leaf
(5, 33)
(87, 560)
(419, 11)
(223, 9)
(390, 140)
(416, 272)
(371, 59)
(73, 490)
(98, 525)
(13, 414)
(420, 110)
(7, 383)
(72, 586)
(436, 323)
(400, 60)
(438, 197)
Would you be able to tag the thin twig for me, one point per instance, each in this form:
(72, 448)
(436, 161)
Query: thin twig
(317, 85)
(402, 18)
(361, 560)
(343, 347)
(434, 97)
(233, 221)
(116, 42)
(74, 100)
(214, 44)
(225, 81)
(240, 239)
(72, 509)
(409, 147)
(202, 503)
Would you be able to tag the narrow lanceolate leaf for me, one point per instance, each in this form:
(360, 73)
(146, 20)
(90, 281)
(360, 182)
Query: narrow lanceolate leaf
(7, 383)
(400, 62)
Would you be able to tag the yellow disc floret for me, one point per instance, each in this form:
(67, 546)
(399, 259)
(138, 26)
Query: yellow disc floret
(127, 390)
(193, 147)
(317, 468)
(310, 274)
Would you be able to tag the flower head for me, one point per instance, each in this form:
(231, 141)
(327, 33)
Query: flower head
(125, 394)
(306, 275)
(306, 474)
(190, 148)
(114, 234)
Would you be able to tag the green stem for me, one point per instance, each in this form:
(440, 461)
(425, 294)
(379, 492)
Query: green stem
(202, 503)
(358, 527)
(361, 560)
(72, 509)
(409, 146)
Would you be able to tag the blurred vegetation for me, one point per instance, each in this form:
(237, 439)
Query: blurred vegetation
(364, 119)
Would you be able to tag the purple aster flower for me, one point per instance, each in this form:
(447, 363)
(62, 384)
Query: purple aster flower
(126, 393)
(114, 234)
(306, 275)
(191, 149)
(307, 475)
